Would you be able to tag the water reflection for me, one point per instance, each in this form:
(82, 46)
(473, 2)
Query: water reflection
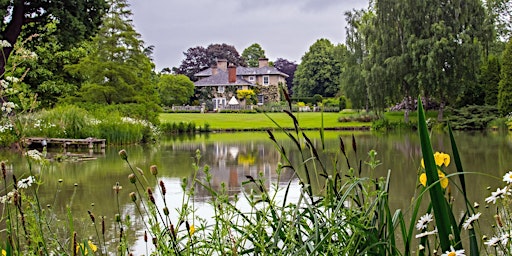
(234, 156)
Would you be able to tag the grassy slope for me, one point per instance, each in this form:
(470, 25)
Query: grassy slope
(223, 121)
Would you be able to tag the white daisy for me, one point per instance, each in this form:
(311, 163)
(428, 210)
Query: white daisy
(494, 241)
(25, 183)
(504, 238)
(424, 220)
(470, 220)
(508, 177)
(453, 252)
(500, 193)
(427, 233)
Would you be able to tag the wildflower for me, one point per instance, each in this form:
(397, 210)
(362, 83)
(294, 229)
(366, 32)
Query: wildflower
(504, 238)
(192, 229)
(25, 183)
(35, 155)
(508, 177)
(500, 193)
(4, 44)
(123, 154)
(442, 178)
(494, 241)
(427, 233)
(117, 187)
(471, 219)
(453, 252)
(440, 158)
(132, 178)
(82, 248)
(424, 220)
(9, 198)
(133, 196)
(8, 106)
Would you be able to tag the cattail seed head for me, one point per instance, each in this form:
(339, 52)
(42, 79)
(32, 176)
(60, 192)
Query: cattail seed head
(162, 186)
(4, 170)
(132, 178)
(103, 225)
(133, 196)
(123, 154)
(153, 170)
(91, 216)
(166, 211)
(150, 195)
(145, 236)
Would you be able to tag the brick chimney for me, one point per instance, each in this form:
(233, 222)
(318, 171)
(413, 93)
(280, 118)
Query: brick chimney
(214, 70)
(222, 64)
(262, 62)
(231, 73)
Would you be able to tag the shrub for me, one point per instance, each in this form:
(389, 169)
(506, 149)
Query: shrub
(473, 117)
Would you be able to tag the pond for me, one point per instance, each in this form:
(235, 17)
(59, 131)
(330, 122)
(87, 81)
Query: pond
(88, 185)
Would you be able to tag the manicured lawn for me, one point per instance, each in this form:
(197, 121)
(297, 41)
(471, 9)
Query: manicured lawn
(259, 121)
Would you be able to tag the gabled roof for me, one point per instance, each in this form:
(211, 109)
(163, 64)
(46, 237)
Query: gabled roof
(221, 78)
(245, 71)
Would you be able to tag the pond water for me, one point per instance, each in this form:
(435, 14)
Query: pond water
(87, 185)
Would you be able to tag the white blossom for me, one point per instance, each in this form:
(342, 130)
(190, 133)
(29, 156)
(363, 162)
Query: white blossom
(508, 177)
(500, 193)
(470, 220)
(4, 44)
(35, 155)
(494, 241)
(427, 233)
(8, 106)
(25, 183)
(453, 252)
(424, 220)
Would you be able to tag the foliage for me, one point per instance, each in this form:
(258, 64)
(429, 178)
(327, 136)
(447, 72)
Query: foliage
(490, 78)
(75, 21)
(287, 67)
(320, 70)
(175, 89)
(117, 70)
(473, 117)
(252, 54)
(247, 96)
(199, 58)
(505, 86)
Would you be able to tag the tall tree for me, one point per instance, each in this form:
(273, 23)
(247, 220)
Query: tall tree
(252, 54)
(117, 70)
(319, 71)
(505, 86)
(175, 89)
(287, 67)
(199, 58)
(76, 20)
(489, 79)
(353, 80)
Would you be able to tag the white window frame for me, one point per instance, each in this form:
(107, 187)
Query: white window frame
(268, 80)
(221, 89)
(252, 78)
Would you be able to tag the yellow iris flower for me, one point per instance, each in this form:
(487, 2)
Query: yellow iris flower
(442, 178)
(440, 158)
(81, 247)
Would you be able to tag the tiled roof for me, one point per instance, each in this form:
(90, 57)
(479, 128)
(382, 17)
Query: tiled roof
(221, 78)
(246, 71)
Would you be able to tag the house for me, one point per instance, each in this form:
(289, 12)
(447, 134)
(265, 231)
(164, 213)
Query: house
(222, 82)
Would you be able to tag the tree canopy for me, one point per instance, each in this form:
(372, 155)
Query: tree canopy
(287, 67)
(320, 70)
(175, 89)
(252, 54)
(199, 58)
(75, 20)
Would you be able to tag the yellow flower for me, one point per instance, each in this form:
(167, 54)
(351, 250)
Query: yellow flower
(192, 229)
(440, 158)
(4, 253)
(82, 248)
(442, 178)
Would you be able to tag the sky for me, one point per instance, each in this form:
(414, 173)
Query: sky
(283, 28)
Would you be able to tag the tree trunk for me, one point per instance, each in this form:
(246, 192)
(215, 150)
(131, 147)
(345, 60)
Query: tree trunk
(12, 32)
(440, 113)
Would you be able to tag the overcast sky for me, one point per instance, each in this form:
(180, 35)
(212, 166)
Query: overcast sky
(283, 28)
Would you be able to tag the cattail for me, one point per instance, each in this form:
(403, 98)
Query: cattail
(4, 171)
(121, 234)
(150, 195)
(123, 154)
(145, 236)
(166, 211)
(162, 186)
(91, 216)
(75, 245)
(103, 225)
(133, 196)
(15, 182)
(132, 178)
(153, 170)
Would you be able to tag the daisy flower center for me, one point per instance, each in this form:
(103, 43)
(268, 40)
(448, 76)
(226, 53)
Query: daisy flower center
(452, 254)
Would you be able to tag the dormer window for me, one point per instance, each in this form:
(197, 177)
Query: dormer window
(266, 80)
(220, 89)
(252, 78)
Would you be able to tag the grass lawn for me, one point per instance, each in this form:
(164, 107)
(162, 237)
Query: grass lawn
(260, 121)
